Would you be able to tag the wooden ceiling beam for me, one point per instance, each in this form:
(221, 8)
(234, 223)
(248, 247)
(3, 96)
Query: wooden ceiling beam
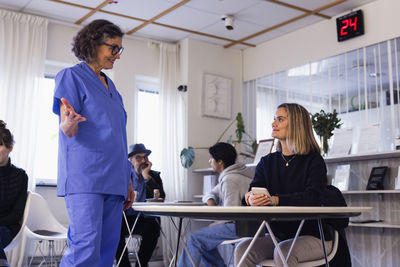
(79, 21)
(181, 3)
(155, 23)
(286, 22)
(297, 8)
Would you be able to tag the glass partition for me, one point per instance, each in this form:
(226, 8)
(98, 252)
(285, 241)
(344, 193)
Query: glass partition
(362, 85)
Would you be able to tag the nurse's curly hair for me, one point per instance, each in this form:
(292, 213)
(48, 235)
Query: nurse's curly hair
(89, 37)
(6, 138)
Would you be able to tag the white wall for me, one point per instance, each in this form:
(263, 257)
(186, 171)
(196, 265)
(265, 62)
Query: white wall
(198, 57)
(318, 41)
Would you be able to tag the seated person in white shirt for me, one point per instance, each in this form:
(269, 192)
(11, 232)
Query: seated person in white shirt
(233, 183)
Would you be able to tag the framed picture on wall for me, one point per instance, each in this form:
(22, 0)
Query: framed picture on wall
(264, 148)
(217, 96)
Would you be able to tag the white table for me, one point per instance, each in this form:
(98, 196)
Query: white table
(267, 213)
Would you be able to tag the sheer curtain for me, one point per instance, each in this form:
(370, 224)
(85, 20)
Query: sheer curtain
(173, 136)
(22, 57)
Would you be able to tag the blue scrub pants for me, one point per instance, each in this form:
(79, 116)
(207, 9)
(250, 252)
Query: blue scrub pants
(94, 228)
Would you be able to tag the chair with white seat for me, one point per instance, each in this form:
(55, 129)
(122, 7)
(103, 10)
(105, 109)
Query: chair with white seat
(232, 242)
(132, 243)
(41, 225)
(18, 236)
(312, 263)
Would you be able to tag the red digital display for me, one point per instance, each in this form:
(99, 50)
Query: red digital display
(350, 25)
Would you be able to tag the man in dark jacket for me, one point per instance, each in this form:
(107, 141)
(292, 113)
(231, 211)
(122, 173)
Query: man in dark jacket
(148, 185)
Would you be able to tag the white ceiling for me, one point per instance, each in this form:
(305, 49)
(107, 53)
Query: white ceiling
(204, 16)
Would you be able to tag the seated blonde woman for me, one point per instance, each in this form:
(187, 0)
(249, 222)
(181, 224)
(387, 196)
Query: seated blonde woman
(295, 175)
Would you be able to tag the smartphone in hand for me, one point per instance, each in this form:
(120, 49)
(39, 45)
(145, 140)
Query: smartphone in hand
(260, 190)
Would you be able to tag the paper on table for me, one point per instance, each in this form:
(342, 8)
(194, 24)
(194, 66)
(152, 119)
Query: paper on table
(342, 176)
(369, 139)
(342, 140)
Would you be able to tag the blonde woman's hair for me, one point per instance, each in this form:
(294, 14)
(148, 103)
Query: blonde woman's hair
(300, 137)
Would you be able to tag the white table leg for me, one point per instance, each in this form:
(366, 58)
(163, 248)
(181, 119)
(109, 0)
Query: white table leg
(276, 244)
(321, 233)
(251, 244)
(130, 235)
(295, 238)
(184, 244)
(178, 239)
(284, 260)
(166, 239)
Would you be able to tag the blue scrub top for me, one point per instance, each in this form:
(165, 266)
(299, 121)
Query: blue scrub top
(139, 186)
(93, 161)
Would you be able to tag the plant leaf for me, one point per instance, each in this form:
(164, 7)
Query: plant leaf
(187, 157)
(239, 127)
(254, 146)
(325, 123)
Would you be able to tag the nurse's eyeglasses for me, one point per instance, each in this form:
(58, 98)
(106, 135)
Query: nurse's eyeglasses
(115, 49)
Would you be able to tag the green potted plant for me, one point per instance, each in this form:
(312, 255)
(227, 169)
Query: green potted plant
(324, 124)
(187, 154)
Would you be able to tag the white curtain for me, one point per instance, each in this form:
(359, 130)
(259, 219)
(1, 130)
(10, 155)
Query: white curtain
(22, 55)
(173, 136)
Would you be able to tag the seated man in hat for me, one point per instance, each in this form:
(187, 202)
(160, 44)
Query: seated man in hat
(148, 185)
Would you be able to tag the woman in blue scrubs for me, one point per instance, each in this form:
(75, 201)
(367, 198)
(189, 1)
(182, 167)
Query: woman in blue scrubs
(93, 173)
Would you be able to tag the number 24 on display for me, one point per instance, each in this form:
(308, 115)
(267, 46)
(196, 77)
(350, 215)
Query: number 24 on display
(348, 23)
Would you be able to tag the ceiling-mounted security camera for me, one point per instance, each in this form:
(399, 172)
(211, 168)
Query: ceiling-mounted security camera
(228, 21)
(182, 88)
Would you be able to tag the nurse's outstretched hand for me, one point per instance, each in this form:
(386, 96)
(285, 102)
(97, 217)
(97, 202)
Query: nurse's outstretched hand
(69, 118)
(131, 196)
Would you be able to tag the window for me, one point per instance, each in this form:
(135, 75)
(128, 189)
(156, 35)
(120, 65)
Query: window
(46, 152)
(148, 117)
(362, 85)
